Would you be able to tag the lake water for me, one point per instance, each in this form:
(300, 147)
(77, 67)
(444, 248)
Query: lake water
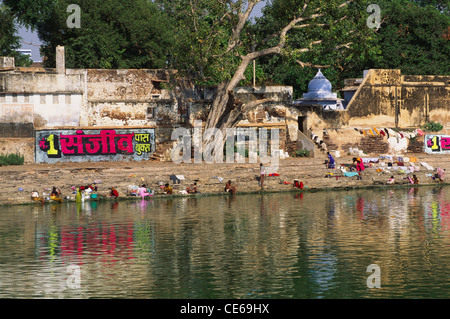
(283, 245)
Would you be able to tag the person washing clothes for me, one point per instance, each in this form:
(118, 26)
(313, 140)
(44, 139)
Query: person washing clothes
(143, 191)
(168, 190)
(330, 163)
(193, 189)
(359, 166)
(56, 195)
(78, 196)
(391, 180)
(114, 193)
(230, 188)
(35, 196)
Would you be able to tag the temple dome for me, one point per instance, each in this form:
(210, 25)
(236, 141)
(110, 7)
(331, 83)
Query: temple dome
(319, 88)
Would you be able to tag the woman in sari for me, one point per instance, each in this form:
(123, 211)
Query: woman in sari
(331, 162)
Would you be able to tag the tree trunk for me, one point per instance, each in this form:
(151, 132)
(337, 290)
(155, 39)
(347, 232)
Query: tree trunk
(223, 102)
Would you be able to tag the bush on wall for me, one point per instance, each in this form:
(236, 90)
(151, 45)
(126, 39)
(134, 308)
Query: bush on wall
(11, 159)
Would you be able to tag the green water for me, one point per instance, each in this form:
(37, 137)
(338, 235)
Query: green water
(292, 245)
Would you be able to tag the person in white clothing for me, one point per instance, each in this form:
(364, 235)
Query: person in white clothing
(262, 172)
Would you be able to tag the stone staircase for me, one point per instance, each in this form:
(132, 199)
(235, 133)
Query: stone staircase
(304, 141)
(311, 171)
(162, 152)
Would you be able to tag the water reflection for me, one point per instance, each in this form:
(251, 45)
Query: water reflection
(302, 245)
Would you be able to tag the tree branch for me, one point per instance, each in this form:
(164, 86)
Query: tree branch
(303, 64)
(193, 15)
(246, 59)
(308, 49)
(241, 23)
(251, 105)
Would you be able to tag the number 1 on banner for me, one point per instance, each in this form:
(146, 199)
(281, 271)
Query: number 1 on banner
(51, 141)
(435, 147)
(53, 146)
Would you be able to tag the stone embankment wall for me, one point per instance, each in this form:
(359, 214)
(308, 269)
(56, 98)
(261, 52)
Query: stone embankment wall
(245, 176)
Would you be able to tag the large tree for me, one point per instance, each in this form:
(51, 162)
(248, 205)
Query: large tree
(337, 65)
(415, 37)
(219, 42)
(10, 42)
(441, 5)
(111, 34)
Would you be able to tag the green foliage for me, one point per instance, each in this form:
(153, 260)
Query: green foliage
(441, 5)
(433, 126)
(204, 29)
(32, 12)
(11, 159)
(321, 45)
(301, 153)
(112, 34)
(414, 38)
(9, 41)
(202, 32)
(193, 37)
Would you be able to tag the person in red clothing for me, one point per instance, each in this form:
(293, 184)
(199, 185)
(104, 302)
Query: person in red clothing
(359, 166)
(230, 188)
(298, 184)
(114, 193)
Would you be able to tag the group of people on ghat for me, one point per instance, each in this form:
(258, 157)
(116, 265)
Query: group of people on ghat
(55, 195)
(143, 191)
(83, 193)
(358, 165)
(89, 191)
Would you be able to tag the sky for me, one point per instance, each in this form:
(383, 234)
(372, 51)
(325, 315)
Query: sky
(31, 37)
(30, 40)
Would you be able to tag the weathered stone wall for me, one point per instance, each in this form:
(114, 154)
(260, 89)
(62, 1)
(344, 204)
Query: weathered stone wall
(125, 85)
(23, 146)
(37, 80)
(149, 113)
(130, 98)
(425, 98)
(41, 96)
(16, 130)
(385, 98)
(198, 110)
(416, 145)
(127, 98)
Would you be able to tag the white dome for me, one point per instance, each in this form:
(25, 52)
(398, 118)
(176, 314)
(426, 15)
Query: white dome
(319, 83)
(319, 87)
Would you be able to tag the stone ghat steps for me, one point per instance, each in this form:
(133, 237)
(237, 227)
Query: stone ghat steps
(245, 176)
